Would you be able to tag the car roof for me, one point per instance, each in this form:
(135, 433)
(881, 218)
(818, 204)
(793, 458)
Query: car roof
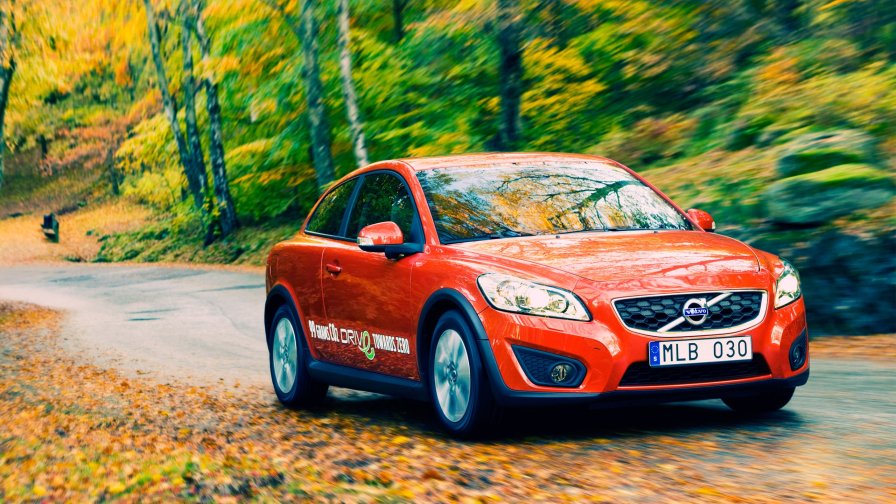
(500, 158)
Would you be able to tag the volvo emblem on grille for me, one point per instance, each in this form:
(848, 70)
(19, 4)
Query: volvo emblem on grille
(695, 311)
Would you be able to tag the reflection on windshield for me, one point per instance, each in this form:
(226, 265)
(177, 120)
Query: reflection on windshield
(502, 202)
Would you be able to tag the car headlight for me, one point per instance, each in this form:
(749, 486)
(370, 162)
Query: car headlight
(513, 294)
(787, 286)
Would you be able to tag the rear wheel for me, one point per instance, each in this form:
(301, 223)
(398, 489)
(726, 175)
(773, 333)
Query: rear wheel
(458, 385)
(764, 402)
(292, 383)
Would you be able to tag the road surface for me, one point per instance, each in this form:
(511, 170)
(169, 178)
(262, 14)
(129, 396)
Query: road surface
(198, 325)
(204, 327)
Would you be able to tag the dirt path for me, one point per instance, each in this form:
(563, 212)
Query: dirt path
(22, 241)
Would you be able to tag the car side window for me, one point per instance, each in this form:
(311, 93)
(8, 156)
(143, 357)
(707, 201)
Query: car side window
(327, 219)
(383, 197)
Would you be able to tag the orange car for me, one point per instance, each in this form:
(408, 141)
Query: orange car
(488, 281)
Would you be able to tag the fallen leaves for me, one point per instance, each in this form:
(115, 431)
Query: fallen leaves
(877, 347)
(74, 432)
(21, 240)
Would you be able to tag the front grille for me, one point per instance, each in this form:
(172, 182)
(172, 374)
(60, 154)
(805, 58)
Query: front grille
(656, 312)
(641, 374)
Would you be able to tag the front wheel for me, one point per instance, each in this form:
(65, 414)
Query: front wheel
(458, 385)
(292, 383)
(763, 402)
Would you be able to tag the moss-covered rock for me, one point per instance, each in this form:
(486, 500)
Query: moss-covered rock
(820, 196)
(816, 151)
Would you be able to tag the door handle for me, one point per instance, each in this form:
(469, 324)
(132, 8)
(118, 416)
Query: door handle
(334, 269)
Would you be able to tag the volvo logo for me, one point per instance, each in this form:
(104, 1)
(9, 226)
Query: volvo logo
(695, 311)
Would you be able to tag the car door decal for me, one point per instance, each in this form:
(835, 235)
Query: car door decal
(368, 344)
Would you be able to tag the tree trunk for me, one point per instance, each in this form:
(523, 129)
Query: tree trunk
(196, 183)
(306, 31)
(44, 147)
(314, 92)
(194, 144)
(398, 18)
(352, 112)
(6, 73)
(7, 70)
(510, 74)
(226, 209)
(788, 16)
(113, 173)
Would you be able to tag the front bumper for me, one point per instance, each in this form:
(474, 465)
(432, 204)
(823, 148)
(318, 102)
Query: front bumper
(608, 349)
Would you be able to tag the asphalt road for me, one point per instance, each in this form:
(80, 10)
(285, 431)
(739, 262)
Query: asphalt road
(204, 327)
(197, 325)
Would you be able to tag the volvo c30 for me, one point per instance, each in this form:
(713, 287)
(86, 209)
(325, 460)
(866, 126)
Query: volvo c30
(483, 282)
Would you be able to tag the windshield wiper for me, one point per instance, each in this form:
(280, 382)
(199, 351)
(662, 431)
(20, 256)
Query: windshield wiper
(505, 232)
(611, 229)
(496, 235)
(508, 233)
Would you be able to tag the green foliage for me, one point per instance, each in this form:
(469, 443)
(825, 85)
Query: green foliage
(649, 140)
(263, 181)
(172, 238)
(815, 151)
(849, 175)
(649, 83)
(824, 195)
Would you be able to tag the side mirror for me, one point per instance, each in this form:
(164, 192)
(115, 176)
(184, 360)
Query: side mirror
(386, 237)
(703, 219)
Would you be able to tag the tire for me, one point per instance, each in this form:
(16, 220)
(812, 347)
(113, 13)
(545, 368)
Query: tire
(286, 357)
(764, 402)
(458, 385)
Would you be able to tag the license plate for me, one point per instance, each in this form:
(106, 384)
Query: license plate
(681, 352)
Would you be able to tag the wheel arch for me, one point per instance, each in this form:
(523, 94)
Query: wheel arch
(441, 301)
(277, 297)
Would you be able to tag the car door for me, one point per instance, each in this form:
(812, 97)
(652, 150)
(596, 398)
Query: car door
(365, 294)
(304, 266)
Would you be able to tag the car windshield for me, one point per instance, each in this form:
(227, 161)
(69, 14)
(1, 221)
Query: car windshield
(509, 201)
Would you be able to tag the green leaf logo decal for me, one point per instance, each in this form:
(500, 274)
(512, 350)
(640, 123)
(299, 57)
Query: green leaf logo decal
(366, 347)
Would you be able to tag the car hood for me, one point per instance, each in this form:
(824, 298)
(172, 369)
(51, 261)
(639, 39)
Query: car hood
(619, 255)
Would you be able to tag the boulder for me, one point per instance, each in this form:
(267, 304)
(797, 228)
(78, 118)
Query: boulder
(818, 197)
(816, 151)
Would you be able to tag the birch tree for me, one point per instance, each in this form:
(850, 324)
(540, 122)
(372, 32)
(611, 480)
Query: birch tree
(352, 112)
(196, 180)
(224, 201)
(314, 97)
(194, 144)
(305, 29)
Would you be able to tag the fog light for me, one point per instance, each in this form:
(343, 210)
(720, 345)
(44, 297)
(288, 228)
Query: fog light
(798, 351)
(549, 370)
(562, 372)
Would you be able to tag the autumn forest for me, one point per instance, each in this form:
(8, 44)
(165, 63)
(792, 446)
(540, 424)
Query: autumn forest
(209, 127)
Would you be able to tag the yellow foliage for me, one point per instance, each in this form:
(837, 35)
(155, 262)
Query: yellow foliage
(123, 73)
(562, 90)
(781, 70)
